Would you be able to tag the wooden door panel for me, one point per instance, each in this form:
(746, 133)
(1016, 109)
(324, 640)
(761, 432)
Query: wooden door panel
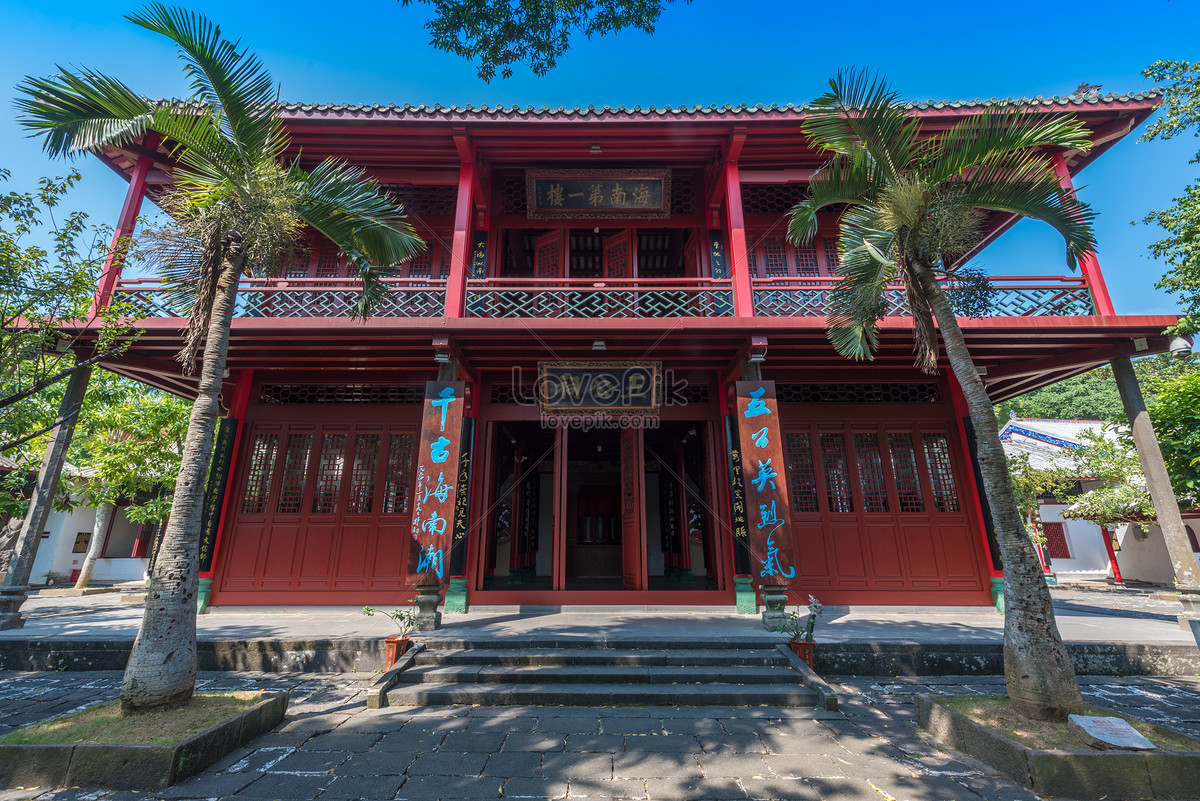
(850, 564)
(812, 554)
(886, 567)
(351, 571)
(922, 555)
(620, 256)
(316, 556)
(388, 562)
(277, 572)
(550, 255)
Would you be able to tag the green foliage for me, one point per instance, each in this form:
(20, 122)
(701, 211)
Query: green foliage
(405, 619)
(45, 291)
(916, 200)
(1180, 249)
(1030, 484)
(535, 32)
(1176, 417)
(1122, 493)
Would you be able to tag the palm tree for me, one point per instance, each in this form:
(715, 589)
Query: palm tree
(912, 204)
(236, 209)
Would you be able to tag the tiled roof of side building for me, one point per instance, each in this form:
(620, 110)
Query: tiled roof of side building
(1077, 101)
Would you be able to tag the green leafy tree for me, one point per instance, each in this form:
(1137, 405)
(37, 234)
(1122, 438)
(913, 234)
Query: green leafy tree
(130, 444)
(236, 209)
(1031, 484)
(913, 203)
(533, 32)
(1175, 413)
(1181, 247)
(1113, 462)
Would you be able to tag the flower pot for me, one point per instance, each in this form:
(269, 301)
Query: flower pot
(803, 649)
(394, 648)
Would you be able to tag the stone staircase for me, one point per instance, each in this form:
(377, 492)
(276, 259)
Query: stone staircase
(588, 673)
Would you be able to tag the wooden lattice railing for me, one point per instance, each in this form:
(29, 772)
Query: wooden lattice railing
(600, 298)
(1013, 296)
(1051, 296)
(294, 297)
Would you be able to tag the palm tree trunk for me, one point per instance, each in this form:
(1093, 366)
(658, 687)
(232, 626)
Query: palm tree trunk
(162, 667)
(103, 512)
(1037, 668)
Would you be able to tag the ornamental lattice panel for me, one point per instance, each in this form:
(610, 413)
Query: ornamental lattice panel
(616, 303)
(858, 393)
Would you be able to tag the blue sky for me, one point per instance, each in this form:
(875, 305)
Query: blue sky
(375, 51)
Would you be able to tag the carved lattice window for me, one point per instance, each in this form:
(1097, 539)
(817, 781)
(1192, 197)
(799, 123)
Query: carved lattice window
(329, 261)
(775, 257)
(806, 260)
(1056, 541)
(800, 467)
(941, 472)
(904, 468)
(262, 467)
(870, 473)
(295, 474)
(837, 473)
(362, 474)
(832, 258)
(329, 473)
(395, 484)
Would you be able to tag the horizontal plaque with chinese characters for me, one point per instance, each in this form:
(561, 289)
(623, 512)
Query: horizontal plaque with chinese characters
(598, 194)
(596, 387)
(434, 493)
(765, 480)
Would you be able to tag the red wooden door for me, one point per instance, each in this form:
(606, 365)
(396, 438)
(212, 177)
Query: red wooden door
(633, 517)
(620, 256)
(322, 515)
(550, 255)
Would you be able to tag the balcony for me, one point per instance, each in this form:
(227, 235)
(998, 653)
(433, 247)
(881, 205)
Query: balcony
(537, 298)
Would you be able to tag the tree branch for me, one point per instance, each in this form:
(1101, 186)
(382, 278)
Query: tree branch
(8, 446)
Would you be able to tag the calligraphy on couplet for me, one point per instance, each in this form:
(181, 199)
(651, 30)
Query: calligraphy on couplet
(606, 194)
(765, 481)
(434, 492)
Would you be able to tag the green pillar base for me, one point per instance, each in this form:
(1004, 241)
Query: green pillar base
(456, 596)
(203, 596)
(1051, 580)
(998, 593)
(685, 575)
(743, 593)
(489, 582)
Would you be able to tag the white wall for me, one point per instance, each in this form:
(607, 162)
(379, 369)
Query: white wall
(1085, 542)
(54, 552)
(1143, 555)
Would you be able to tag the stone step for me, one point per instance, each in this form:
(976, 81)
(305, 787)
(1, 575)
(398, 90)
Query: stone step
(598, 656)
(600, 674)
(716, 694)
(598, 642)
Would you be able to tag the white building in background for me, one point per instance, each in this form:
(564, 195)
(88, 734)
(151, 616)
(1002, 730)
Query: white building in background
(65, 541)
(1075, 548)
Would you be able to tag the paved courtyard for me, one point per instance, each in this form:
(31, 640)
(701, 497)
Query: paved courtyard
(331, 747)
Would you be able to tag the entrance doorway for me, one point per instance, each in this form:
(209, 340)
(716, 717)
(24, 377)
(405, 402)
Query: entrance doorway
(578, 516)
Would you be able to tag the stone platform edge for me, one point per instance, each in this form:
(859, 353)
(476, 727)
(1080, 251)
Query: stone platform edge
(136, 767)
(1073, 774)
(832, 658)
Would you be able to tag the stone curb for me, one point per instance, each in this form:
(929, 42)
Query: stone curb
(377, 692)
(827, 698)
(267, 656)
(1073, 774)
(136, 767)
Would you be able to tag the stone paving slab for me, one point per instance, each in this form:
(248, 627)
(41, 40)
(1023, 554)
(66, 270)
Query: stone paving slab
(871, 751)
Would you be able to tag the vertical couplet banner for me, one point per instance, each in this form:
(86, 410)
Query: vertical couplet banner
(214, 490)
(437, 478)
(765, 479)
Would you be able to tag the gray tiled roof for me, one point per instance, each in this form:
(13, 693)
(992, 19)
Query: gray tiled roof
(435, 111)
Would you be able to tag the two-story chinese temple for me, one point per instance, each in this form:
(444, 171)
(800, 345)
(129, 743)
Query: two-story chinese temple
(596, 284)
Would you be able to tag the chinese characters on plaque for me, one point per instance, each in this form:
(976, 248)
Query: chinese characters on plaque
(602, 194)
(767, 506)
(437, 477)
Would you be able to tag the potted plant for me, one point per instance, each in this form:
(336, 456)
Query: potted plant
(800, 628)
(397, 644)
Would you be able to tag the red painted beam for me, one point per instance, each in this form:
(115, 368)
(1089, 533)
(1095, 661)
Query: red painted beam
(126, 223)
(743, 293)
(460, 243)
(1088, 262)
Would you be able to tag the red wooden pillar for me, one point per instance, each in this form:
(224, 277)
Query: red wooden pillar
(460, 243)
(684, 556)
(743, 293)
(1112, 556)
(1088, 263)
(239, 403)
(125, 226)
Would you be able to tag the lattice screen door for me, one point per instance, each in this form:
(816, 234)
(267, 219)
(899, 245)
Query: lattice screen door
(620, 256)
(550, 255)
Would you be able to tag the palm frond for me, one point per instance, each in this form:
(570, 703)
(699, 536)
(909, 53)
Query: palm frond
(988, 136)
(344, 205)
(857, 303)
(232, 83)
(840, 180)
(81, 113)
(1025, 184)
(861, 115)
